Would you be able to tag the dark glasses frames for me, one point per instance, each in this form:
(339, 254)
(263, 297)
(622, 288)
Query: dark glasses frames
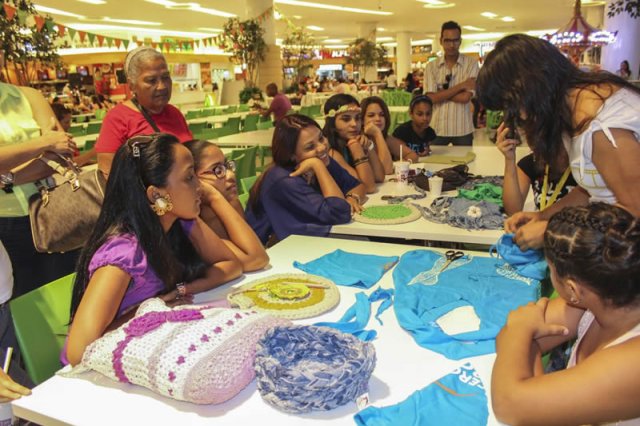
(220, 169)
(447, 78)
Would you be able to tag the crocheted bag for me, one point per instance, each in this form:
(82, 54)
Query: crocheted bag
(192, 353)
(305, 368)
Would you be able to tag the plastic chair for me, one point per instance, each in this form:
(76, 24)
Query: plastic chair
(247, 183)
(191, 115)
(243, 108)
(94, 128)
(245, 162)
(77, 130)
(197, 128)
(233, 123)
(100, 114)
(41, 319)
(208, 134)
(263, 152)
(250, 123)
(244, 199)
(88, 145)
(264, 125)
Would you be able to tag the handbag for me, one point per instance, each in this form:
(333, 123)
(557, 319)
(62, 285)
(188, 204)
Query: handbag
(454, 177)
(63, 215)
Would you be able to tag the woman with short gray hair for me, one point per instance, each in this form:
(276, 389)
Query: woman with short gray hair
(148, 111)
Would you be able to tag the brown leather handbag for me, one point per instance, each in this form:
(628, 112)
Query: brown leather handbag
(63, 215)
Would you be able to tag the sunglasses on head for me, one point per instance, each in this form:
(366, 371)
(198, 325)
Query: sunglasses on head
(447, 78)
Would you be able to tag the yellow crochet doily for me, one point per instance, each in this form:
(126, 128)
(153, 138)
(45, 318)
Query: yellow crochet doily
(292, 296)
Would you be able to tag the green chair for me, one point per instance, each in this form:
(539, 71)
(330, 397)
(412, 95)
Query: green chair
(250, 123)
(315, 111)
(208, 112)
(197, 128)
(245, 162)
(233, 123)
(231, 109)
(41, 319)
(77, 130)
(243, 108)
(94, 128)
(305, 110)
(244, 199)
(247, 183)
(263, 152)
(264, 125)
(88, 145)
(208, 134)
(100, 114)
(192, 114)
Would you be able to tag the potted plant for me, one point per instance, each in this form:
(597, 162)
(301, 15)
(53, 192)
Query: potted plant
(245, 41)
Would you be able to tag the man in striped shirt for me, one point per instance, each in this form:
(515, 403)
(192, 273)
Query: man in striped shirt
(450, 83)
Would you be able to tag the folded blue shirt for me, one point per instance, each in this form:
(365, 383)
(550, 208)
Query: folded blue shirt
(349, 269)
(458, 398)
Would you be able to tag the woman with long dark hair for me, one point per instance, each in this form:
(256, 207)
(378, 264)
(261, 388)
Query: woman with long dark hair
(349, 146)
(593, 117)
(148, 241)
(304, 191)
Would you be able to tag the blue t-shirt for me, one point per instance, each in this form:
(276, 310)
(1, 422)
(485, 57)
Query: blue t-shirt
(289, 205)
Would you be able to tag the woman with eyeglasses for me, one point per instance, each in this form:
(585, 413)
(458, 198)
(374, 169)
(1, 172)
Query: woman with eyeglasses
(304, 191)
(416, 133)
(593, 118)
(221, 209)
(353, 150)
(149, 241)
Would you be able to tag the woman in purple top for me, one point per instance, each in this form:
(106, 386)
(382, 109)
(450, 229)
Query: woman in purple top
(148, 241)
(304, 191)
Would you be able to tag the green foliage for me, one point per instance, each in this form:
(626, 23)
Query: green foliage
(632, 7)
(365, 53)
(23, 44)
(245, 41)
(249, 92)
(297, 50)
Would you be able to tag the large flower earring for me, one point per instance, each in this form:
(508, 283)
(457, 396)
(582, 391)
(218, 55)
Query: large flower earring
(162, 205)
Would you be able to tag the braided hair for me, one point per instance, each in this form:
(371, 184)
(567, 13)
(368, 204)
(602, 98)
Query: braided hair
(599, 246)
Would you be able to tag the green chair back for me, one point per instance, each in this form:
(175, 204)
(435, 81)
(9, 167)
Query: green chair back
(208, 112)
(264, 125)
(305, 110)
(40, 318)
(208, 134)
(245, 162)
(244, 199)
(94, 128)
(243, 108)
(250, 122)
(231, 109)
(315, 111)
(100, 114)
(196, 128)
(192, 114)
(233, 123)
(88, 145)
(247, 183)
(77, 130)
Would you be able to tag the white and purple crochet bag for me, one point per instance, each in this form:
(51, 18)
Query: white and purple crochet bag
(199, 354)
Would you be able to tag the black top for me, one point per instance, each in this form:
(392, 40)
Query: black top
(528, 165)
(417, 143)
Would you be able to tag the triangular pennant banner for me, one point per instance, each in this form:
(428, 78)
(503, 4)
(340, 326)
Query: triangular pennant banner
(167, 47)
(49, 24)
(61, 29)
(22, 16)
(72, 33)
(82, 36)
(39, 22)
(100, 40)
(9, 10)
(154, 45)
(126, 44)
(92, 38)
(118, 42)
(109, 41)
(139, 43)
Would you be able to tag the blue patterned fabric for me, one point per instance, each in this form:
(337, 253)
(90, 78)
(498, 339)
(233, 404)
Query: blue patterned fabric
(349, 269)
(356, 318)
(530, 263)
(458, 398)
(423, 294)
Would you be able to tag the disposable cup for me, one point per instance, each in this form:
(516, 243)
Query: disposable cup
(435, 186)
(6, 414)
(402, 171)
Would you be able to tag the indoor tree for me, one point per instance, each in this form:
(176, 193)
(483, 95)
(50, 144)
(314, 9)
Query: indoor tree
(364, 54)
(245, 41)
(632, 7)
(297, 50)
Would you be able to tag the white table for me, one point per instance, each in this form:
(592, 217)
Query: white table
(217, 119)
(488, 162)
(246, 139)
(402, 368)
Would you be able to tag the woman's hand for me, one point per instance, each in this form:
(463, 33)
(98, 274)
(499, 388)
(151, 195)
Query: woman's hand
(506, 146)
(307, 167)
(519, 219)
(530, 318)
(372, 130)
(10, 390)
(209, 192)
(59, 142)
(357, 146)
(356, 207)
(171, 299)
(531, 235)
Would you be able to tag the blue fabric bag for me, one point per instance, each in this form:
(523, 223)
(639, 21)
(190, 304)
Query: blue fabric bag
(458, 398)
(530, 263)
(423, 294)
(349, 269)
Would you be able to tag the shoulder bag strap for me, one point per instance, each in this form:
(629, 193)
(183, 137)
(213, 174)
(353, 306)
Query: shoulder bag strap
(146, 115)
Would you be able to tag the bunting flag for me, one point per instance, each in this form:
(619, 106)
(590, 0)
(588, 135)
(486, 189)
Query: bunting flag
(167, 46)
(154, 45)
(92, 38)
(109, 41)
(72, 33)
(82, 36)
(39, 22)
(61, 29)
(22, 16)
(118, 42)
(100, 40)
(139, 43)
(49, 24)
(126, 44)
(9, 10)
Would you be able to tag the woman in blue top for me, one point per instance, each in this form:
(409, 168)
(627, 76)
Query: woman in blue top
(304, 191)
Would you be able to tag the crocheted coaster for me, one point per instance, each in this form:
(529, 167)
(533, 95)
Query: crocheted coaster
(305, 368)
(383, 214)
(292, 296)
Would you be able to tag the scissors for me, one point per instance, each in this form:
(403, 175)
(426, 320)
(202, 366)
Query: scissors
(451, 255)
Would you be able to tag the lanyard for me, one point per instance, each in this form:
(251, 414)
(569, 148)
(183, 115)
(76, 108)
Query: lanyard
(556, 192)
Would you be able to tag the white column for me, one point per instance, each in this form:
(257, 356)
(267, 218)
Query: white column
(626, 46)
(270, 70)
(403, 55)
(368, 31)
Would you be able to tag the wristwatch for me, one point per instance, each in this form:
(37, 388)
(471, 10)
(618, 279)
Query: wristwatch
(7, 182)
(354, 196)
(181, 289)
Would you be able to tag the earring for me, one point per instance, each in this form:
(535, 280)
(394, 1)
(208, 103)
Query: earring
(162, 205)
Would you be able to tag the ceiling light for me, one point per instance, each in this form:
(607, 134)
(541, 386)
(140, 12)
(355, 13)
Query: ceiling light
(213, 30)
(131, 21)
(435, 2)
(489, 15)
(472, 28)
(93, 1)
(165, 3)
(507, 19)
(297, 17)
(336, 46)
(439, 6)
(423, 42)
(484, 36)
(277, 15)
(57, 11)
(332, 40)
(331, 7)
(381, 29)
(379, 39)
(122, 31)
(314, 28)
(195, 7)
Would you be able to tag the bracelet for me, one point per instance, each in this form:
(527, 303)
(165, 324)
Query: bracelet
(354, 196)
(360, 160)
(182, 290)
(7, 182)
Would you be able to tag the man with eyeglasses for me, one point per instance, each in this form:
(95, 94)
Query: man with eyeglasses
(450, 83)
